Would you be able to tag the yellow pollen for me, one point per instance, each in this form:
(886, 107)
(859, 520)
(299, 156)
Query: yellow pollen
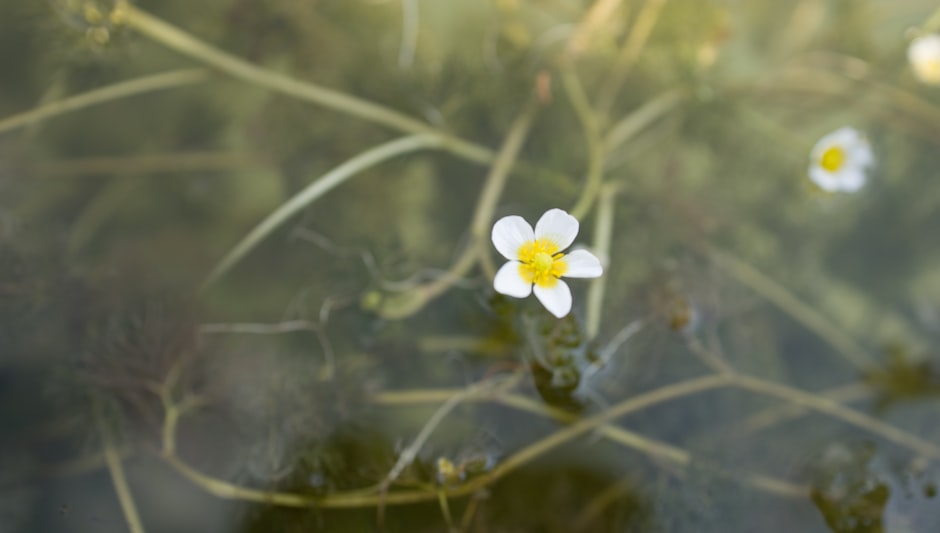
(930, 72)
(832, 159)
(542, 264)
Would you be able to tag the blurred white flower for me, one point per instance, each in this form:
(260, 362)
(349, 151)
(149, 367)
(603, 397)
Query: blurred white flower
(536, 259)
(840, 160)
(924, 55)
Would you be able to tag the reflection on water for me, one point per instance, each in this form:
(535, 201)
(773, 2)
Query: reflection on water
(246, 276)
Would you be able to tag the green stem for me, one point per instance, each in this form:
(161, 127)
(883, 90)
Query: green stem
(144, 164)
(496, 179)
(638, 119)
(176, 39)
(405, 304)
(836, 410)
(636, 41)
(166, 80)
(357, 499)
(790, 304)
(603, 230)
(113, 459)
(933, 22)
(779, 414)
(595, 149)
(314, 191)
(569, 433)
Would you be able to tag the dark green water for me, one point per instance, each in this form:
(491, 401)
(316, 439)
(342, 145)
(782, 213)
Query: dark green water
(760, 355)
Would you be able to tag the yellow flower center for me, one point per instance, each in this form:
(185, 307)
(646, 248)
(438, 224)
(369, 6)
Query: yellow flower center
(542, 263)
(928, 71)
(832, 159)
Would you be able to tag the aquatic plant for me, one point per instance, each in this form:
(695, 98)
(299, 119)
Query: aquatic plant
(323, 183)
(537, 261)
(839, 161)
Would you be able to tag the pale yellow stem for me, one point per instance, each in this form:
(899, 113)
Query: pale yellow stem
(636, 41)
(603, 230)
(814, 321)
(113, 459)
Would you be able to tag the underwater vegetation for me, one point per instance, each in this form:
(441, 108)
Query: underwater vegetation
(265, 266)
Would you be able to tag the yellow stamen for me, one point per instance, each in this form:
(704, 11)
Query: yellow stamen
(832, 159)
(542, 264)
(930, 72)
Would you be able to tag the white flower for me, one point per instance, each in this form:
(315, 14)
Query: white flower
(924, 55)
(839, 161)
(536, 258)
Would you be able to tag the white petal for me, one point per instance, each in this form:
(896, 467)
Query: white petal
(851, 179)
(509, 282)
(861, 155)
(509, 233)
(557, 226)
(826, 181)
(556, 299)
(924, 48)
(845, 137)
(924, 56)
(582, 264)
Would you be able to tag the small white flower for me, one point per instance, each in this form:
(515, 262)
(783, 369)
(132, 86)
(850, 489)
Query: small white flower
(840, 160)
(924, 56)
(536, 259)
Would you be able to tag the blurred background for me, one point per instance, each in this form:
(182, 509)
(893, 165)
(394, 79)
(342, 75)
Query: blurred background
(246, 270)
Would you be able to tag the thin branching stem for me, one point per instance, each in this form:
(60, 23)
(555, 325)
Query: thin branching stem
(370, 497)
(592, 23)
(603, 230)
(315, 190)
(496, 180)
(642, 117)
(184, 43)
(116, 469)
(592, 138)
(144, 164)
(750, 277)
(410, 15)
(773, 416)
(932, 24)
(124, 89)
(373, 497)
(836, 410)
(250, 328)
(410, 302)
(636, 41)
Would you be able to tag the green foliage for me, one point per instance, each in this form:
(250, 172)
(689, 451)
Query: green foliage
(326, 350)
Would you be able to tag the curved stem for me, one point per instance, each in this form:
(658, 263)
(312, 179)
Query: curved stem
(408, 303)
(113, 459)
(155, 82)
(176, 39)
(838, 411)
(144, 164)
(638, 119)
(779, 414)
(636, 40)
(318, 188)
(933, 22)
(636, 403)
(814, 321)
(496, 181)
(595, 149)
(592, 24)
(603, 229)
(370, 498)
